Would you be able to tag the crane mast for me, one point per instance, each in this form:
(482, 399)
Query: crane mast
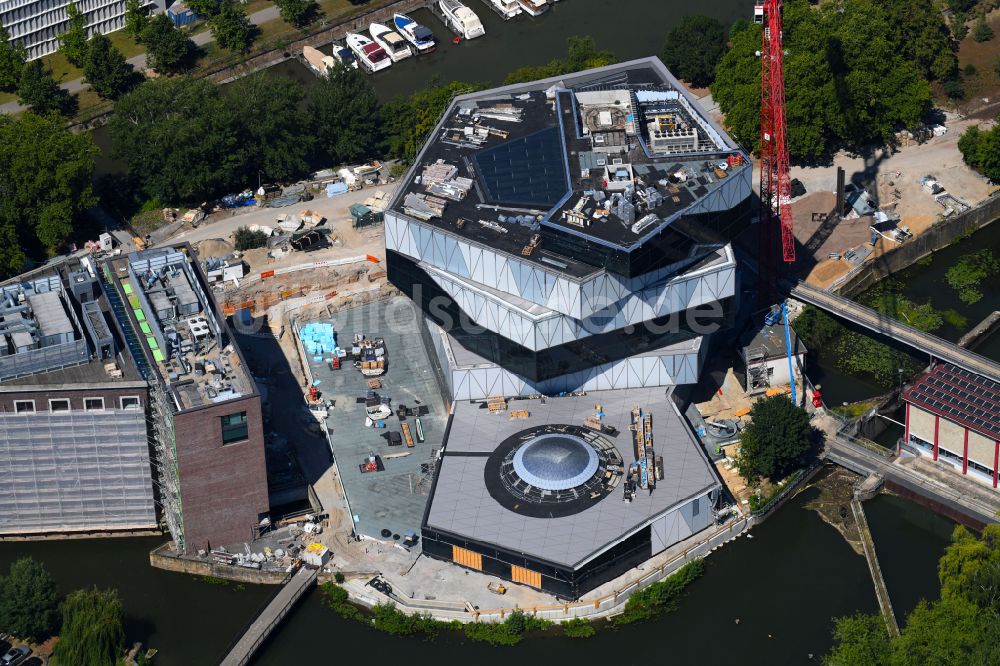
(775, 182)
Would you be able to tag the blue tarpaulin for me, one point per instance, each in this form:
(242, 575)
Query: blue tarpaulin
(334, 189)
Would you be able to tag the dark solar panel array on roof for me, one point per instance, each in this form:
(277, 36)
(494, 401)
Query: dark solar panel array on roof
(529, 170)
(961, 394)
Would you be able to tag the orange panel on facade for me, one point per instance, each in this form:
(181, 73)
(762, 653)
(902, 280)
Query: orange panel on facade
(467, 558)
(526, 576)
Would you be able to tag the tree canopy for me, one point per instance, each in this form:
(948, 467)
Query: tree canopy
(776, 440)
(93, 629)
(136, 18)
(45, 185)
(29, 603)
(180, 139)
(73, 42)
(106, 70)
(962, 628)
(345, 114)
(274, 132)
(981, 150)
(168, 50)
(694, 48)
(36, 88)
(231, 28)
(297, 12)
(855, 72)
(12, 58)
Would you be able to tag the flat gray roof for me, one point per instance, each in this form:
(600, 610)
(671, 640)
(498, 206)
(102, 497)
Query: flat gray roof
(462, 505)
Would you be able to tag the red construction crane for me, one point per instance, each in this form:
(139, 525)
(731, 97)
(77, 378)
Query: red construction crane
(775, 183)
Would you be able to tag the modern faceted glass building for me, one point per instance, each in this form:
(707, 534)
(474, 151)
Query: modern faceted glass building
(569, 243)
(572, 233)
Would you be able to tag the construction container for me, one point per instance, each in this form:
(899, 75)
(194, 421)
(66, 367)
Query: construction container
(316, 554)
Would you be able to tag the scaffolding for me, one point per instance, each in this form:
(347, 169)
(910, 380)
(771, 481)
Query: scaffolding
(758, 375)
(167, 476)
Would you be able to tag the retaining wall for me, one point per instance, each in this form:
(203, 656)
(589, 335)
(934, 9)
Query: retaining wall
(164, 558)
(939, 236)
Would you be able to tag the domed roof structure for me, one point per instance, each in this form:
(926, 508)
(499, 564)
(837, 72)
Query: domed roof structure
(556, 461)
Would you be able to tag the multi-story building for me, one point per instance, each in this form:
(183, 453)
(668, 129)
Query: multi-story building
(570, 236)
(37, 24)
(74, 450)
(206, 410)
(953, 416)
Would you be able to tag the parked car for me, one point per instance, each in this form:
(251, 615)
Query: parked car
(15, 656)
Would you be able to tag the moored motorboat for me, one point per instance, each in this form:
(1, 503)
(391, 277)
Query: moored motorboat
(534, 7)
(508, 9)
(461, 19)
(416, 34)
(390, 41)
(371, 56)
(344, 56)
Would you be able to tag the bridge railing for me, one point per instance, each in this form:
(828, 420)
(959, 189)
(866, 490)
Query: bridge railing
(256, 614)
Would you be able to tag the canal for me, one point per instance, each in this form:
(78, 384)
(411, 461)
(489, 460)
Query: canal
(783, 585)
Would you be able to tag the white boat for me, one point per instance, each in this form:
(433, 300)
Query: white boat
(371, 56)
(461, 19)
(508, 9)
(390, 41)
(416, 34)
(343, 55)
(534, 7)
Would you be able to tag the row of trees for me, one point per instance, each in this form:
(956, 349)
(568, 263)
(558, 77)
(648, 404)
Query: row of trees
(855, 72)
(187, 140)
(962, 628)
(90, 623)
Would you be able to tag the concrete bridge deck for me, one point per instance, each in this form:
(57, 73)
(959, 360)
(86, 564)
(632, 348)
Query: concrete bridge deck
(879, 323)
(272, 615)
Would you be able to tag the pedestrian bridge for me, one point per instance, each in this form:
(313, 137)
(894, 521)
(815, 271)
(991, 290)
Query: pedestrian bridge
(291, 591)
(879, 323)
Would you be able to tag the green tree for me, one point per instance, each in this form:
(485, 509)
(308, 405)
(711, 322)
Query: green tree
(29, 605)
(776, 440)
(970, 567)
(180, 138)
(297, 12)
(136, 18)
(93, 629)
(981, 31)
(736, 88)
(73, 42)
(860, 640)
(204, 8)
(37, 89)
(106, 70)
(13, 260)
(274, 130)
(967, 276)
(345, 115)
(45, 180)
(12, 58)
(231, 28)
(816, 328)
(921, 37)
(246, 239)
(168, 50)
(694, 48)
(883, 91)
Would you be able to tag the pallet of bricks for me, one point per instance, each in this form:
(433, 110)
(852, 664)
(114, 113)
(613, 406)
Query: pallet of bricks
(496, 404)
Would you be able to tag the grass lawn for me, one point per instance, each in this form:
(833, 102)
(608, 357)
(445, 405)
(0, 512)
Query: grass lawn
(62, 70)
(7, 97)
(88, 100)
(124, 43)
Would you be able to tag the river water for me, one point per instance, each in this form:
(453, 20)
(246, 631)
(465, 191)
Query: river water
(784, 585)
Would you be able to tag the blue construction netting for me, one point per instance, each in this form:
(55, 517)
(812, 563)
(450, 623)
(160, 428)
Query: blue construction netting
(318, 339)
